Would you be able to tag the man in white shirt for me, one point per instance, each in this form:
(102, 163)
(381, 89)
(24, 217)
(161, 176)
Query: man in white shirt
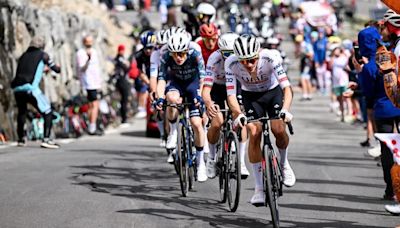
(89, 70)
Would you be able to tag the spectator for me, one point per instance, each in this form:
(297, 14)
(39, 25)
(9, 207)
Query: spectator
(320, 47)
(89, 70)
(31, 66)
(340, 78)
(122, 84)
(306, 57)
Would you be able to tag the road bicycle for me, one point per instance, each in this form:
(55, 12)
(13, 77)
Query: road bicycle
(228, 163)
(272, 172)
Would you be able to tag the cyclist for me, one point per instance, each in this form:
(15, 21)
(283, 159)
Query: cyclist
(214, 95)
(31, 66)
(208, 41)
(187, 66)
(148, 40)
(265, 88)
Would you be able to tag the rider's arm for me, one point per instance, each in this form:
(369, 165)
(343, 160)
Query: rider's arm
(154, 60)
(230, 80)
(49, 62)
(283, 82)
(162, 75)
(201, 69)
(208, 83)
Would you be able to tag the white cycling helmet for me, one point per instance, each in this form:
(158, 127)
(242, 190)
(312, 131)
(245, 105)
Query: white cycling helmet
(178, 42)
(226, 41)
(171, 31)
(246, 47)
(392, 17)
(162, 37)
(273, 41)
(207, 9)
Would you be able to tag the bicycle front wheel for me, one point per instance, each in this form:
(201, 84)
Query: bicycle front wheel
(271, 185)
(182, 160)
(221, 167)
(233, 172)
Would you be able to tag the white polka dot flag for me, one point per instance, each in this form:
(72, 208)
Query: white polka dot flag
(392, 141)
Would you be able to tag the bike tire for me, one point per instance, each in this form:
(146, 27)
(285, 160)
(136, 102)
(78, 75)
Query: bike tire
(221, 170)
(233, 172)
(270, 186)
(183, 169)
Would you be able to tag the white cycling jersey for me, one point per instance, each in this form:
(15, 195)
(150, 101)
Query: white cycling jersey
(270, 73)
(215, 72)
(156, 57)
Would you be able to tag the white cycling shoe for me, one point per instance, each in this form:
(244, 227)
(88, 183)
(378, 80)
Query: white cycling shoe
(289, 179)
(258, 199)
(171, 155)
(201, 172)
(244, 171)
(211, 168)
(393, 209)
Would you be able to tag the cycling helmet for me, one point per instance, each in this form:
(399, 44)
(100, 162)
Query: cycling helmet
(246, 47)
(208, 30)
(171, 31)
(162, 37)
(273, 41)
(226, 41)
(178, 42)
(148, 39)
(392, 20)
(206, 9)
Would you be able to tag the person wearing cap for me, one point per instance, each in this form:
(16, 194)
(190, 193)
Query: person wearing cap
(122, 84)
(31, 66)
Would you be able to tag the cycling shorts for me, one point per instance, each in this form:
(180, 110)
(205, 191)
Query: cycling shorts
(256, 104)
(188, 90)
(218, 95)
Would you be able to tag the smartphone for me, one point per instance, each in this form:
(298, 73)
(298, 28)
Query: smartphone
(357, 54)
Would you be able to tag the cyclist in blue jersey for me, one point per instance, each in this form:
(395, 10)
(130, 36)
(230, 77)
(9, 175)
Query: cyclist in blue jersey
(187, 72)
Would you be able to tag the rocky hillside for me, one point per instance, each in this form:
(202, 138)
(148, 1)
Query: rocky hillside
(63, 23)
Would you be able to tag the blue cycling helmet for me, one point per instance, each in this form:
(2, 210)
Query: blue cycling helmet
(148, 39)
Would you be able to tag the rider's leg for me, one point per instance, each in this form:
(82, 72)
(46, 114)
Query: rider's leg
(172, 97)
(254, 130)
(198, 130)
(242, 151)
(213, 134)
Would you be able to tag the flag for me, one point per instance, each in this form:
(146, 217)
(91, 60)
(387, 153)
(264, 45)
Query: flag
(393, 4)
(392, 141)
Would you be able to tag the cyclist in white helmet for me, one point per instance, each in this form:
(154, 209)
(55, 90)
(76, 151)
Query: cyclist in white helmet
(206, 13)
(188, 67)
(214, 95)
(265, 88)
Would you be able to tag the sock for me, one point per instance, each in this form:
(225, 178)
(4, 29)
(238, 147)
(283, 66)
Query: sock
(160, 125)
(199, 156)
(213, 148)
(173, 127)
(92, 127)
(206, 143)
(242, 151)
(284, 153)
(257, 171)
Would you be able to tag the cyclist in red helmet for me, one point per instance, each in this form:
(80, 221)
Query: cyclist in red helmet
(209, 40)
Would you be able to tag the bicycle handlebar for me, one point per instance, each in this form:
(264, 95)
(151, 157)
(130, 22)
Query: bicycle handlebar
(265, 119)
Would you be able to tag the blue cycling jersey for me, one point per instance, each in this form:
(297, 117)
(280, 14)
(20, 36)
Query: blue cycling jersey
(192, 69)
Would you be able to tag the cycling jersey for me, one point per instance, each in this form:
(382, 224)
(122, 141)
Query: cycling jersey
(157, 54)
(215, 72)
(143, 62)
(205, 51)
(191, 69)
(270, 73)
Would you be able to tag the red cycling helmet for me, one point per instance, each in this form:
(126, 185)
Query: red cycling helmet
(208, 30)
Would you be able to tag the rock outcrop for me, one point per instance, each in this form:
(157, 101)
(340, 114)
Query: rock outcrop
(63, 23)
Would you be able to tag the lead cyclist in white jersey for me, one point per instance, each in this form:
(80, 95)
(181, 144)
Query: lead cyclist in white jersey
(265, 88)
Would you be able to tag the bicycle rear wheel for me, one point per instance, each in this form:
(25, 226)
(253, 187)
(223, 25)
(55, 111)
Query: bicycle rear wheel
(233, 172)
(221, 161)
(270, 185)
(182, 160)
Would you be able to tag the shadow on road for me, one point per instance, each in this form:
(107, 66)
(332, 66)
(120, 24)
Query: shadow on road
(137, 175)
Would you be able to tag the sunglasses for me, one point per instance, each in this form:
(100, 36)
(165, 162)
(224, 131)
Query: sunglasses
(226, 54)
(248, 61)
(149, 48)
(180, 54)
(206, 39)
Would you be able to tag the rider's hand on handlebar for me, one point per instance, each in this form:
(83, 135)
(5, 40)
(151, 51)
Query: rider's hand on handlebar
(159, 103)
(287, 116)
(212, 110)
(240, 121)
